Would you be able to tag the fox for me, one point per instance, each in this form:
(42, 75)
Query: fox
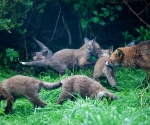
(133, 56)
(101, 70)
(85, 87)
(23, 86)
(69, 58)
(43, 54)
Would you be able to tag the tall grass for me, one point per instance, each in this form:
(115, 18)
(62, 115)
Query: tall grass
(132, 107)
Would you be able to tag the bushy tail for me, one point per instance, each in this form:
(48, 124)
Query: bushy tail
(49, 86)
(38, 63)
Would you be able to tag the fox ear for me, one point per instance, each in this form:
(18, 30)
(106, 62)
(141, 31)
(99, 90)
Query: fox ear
(86, 39)
(111, 49)
(119, 53)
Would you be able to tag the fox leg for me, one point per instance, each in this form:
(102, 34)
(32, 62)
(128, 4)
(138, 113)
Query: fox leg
(34, 98)
(9, 107)
(64, 96)
(10, 101)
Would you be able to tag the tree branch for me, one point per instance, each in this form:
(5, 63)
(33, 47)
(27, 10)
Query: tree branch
(136, 14)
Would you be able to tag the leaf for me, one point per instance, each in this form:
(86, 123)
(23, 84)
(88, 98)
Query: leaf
(112, 18)
(15, 54)
(118, 7)
(100, 1)
(101, 15)
(95, 12)
(103, 8)
(84, 12)
(95, 19)
(106, 12)
(139, 38)
(11, 58)
(101, 22)
(83, 23)
(89, 3)
(76, 6)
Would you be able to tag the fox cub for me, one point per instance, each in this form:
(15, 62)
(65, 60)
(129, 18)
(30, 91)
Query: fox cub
(102, 70)
(23, 86)
(69, 58)
(84, 86)
(43, 54)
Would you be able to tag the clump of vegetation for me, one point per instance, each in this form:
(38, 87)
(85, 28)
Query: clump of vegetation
(131, 108)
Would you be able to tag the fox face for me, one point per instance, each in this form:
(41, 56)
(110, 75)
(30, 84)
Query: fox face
(93, 46)
(39, 55)
(96, 49)
(106, 52)
(90, 45)
(115, 58)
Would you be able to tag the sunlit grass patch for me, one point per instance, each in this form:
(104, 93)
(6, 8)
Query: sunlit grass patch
(131, 108)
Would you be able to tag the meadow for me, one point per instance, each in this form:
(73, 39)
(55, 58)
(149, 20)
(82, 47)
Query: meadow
(131, 108)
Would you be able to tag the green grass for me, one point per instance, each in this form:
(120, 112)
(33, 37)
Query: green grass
(132, 107)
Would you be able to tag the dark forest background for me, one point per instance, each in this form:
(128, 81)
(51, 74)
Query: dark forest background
(63, 24)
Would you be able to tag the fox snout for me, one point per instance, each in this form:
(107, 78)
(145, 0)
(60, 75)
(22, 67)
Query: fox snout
(108, 62)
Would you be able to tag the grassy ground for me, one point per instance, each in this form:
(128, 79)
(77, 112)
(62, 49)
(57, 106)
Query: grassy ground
(132, 107)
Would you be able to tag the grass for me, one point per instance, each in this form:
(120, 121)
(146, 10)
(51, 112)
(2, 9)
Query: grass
(132, 107)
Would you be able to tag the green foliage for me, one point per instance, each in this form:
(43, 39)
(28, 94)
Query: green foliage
(144, 33)
(132, 107)
(95, 11)
(126, 36)
(9, 56)
(13, 14)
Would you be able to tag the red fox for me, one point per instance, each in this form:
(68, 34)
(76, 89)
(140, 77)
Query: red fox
(23, 86)
(84, 86)
(43, 54)
(132, 56)
(102, 70)
(69, 58)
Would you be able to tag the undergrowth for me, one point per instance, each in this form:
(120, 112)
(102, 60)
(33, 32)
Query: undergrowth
(131, 108)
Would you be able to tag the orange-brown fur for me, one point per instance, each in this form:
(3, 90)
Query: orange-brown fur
(133, 56)
(84, 86)
(23, 86)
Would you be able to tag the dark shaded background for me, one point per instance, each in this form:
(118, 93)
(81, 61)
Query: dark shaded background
(42, 26)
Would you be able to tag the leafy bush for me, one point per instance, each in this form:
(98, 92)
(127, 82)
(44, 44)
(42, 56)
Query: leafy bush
(9, 56)
(95, 11)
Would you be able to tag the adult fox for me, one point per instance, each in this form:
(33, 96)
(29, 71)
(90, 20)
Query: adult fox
(23, 86)
(69, 58)
(132, 56)
(102, 70)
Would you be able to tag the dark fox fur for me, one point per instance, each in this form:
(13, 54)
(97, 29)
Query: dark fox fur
(68, 58)
(23, 86)
(132, 56)
(102, 70)
(43, 54)
(84, 86)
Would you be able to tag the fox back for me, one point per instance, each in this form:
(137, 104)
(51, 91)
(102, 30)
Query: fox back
(84, 86)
